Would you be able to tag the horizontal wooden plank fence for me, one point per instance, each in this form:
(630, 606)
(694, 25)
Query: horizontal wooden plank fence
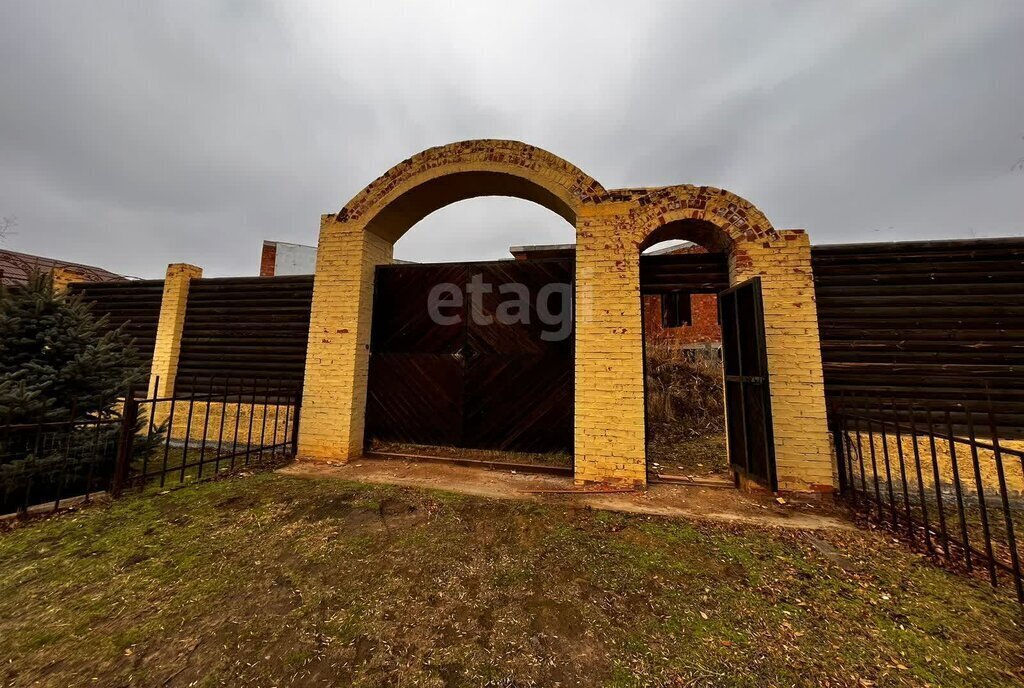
(241, 329)
(693, 273)
(936, 323)
(134, 304)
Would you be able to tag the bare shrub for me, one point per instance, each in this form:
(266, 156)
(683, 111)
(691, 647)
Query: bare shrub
(684, 386)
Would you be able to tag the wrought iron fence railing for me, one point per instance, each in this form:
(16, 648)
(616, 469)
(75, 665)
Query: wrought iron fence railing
(138, 442)
(56, 460)
(946, 481)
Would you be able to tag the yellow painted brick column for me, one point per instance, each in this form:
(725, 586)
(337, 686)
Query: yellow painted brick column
(337, 357)
(63, 277)
(167, 346)
(609, 391)
(803, 445)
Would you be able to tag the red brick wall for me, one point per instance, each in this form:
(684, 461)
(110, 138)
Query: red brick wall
(703, 328)
(268, 261)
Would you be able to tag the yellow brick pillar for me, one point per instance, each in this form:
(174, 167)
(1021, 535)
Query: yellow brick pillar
(337, 357)
(65, 276)
(803, 449)
(609, 391)
(167, 347)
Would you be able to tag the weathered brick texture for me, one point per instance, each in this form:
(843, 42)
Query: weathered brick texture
(63, 276)
(703, 328)
(609, 423)
(167, 347)
(268, 260)
(337, 359)
(803, 453)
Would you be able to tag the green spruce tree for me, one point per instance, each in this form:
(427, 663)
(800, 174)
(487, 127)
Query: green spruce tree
(61, 368)
(55, 354)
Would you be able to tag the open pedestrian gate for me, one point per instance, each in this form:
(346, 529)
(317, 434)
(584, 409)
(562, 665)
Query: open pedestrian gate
(748, 404)
(485, 367)
(744, 356)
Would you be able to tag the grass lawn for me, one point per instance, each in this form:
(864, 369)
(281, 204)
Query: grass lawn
(273, 580)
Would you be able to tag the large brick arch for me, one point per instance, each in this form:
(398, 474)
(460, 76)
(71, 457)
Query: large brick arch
(430, 180)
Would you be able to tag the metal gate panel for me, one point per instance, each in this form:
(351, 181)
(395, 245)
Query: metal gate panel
(747, 395)
(417, 372)
(519, 375)
(415, 398)
(478, 382)
(401, 316)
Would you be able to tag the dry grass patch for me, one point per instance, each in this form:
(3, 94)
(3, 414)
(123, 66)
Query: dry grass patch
(278, 580)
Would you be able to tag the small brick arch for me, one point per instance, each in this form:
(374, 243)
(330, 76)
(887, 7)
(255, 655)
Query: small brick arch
(438, 176)
(738, 220)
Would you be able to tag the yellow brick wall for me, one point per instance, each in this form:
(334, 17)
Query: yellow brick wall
(803, 450)
(167, 346)
(64, 276)
(337, 358)
(609, 393)
(609, 424)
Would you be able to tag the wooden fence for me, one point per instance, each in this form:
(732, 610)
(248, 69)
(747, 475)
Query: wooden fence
(134, 304)
(244, 328)
(936, 323)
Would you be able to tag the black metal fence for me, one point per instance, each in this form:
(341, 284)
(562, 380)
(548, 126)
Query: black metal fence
(945, 480)
(148, 441)
(234, 423)
(55, 460)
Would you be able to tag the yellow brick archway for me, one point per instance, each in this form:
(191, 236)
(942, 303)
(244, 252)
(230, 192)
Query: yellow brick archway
(737, 218)
(361, 236)
(609, 434)
(439, 176)
(611, 227)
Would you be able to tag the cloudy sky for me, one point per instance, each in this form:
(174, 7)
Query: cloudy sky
(137, 134)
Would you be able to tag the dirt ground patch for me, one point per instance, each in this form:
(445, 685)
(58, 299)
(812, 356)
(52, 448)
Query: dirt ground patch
(557, 459)
(694, 502)
(282, 580)
(675, 450)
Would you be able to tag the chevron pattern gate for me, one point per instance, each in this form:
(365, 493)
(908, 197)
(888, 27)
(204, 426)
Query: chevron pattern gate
(487, 367)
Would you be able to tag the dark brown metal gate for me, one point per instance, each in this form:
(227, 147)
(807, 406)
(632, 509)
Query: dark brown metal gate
(466, 382)
(748, 406)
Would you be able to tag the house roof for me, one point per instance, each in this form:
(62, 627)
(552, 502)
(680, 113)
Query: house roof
(16, 267)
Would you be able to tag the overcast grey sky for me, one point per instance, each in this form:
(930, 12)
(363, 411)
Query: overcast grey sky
(137, 134)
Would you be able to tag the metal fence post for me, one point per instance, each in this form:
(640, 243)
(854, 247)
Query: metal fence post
(127, 442)
(837, 442)
(295, 422)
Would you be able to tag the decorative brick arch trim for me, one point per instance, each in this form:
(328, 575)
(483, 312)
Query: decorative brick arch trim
(524, 165)
(737, 218)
